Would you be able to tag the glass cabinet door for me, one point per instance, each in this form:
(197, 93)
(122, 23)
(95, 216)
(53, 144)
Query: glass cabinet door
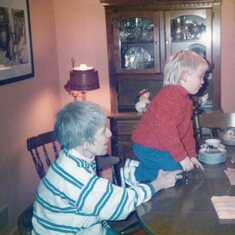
(190, 30)
(136, 43)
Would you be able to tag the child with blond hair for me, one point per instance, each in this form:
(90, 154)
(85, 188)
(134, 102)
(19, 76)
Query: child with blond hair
(164, 138)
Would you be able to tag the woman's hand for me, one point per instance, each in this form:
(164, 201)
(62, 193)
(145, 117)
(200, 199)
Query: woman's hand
(166, 179)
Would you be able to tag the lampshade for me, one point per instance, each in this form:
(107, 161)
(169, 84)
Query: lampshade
(82, 78)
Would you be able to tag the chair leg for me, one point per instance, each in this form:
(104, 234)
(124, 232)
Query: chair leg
(116, 175)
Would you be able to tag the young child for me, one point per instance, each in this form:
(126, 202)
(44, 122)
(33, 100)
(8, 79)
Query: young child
(71, 198)
(164, 138)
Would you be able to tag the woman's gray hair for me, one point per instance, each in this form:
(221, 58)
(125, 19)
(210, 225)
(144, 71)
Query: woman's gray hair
(78, 122)
(181, 62)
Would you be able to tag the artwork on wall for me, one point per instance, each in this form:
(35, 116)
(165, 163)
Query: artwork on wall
(16, 57)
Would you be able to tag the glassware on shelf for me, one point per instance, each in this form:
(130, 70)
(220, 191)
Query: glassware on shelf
(136, 29)
(188, 27)
(137, 58)
(136, 43)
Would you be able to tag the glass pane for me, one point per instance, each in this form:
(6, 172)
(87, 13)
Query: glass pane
(136, 29)
(198, 48)
(136, 43)
(188, 27)
(136, 57)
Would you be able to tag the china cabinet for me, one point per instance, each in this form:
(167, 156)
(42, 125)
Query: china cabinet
(141, 35)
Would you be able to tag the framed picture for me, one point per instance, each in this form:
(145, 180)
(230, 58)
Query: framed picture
(16, 57)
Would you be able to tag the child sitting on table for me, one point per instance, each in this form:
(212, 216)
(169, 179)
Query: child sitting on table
(164, 137)
(71, 198)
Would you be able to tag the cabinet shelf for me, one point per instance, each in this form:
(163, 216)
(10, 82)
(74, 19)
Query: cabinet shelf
(189, 41)
(138, 43)
(151, 77)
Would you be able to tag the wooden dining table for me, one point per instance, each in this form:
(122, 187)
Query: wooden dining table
(186, 209)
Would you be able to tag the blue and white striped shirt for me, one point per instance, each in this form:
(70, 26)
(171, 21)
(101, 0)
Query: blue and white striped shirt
(72, 199)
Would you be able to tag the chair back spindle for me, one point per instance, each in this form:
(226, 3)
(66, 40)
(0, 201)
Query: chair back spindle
(37, 162)
(48, 162)
(42, 148)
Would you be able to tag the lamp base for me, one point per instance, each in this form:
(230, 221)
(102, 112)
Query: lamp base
(78, 95)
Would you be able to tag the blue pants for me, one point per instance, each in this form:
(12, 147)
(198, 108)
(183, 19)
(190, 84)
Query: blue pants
(151, 161)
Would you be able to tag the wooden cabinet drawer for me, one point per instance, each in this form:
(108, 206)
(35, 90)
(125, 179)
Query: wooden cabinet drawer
(124, 124)
(124, 127)
(123, 149)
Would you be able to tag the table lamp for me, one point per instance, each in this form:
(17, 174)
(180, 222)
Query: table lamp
(83, 78)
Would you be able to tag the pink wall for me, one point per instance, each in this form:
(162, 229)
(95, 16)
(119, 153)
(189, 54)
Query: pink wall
(81, 34)
(27, 108)
(62, 30)
(228, 55)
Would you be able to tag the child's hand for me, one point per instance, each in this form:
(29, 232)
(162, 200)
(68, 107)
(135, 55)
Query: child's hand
(197, 163)
(187, 164)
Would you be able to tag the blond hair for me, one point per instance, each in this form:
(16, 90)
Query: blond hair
(183, 61)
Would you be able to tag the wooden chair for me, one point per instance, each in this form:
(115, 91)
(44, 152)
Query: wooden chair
(44, 149)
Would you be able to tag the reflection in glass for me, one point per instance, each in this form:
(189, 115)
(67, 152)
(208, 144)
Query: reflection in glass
(188, 27)
(137, 58)
(136, 29)
(198, 48)
(136, 37)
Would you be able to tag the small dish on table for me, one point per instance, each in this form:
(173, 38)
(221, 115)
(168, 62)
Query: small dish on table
(212, 152)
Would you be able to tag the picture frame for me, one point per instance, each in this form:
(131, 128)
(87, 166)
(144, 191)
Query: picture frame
(16, 55)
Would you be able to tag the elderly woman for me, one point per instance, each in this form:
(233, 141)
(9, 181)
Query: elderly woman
(71, 198)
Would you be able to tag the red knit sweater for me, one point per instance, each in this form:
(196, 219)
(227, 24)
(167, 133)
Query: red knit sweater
(167, 124)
